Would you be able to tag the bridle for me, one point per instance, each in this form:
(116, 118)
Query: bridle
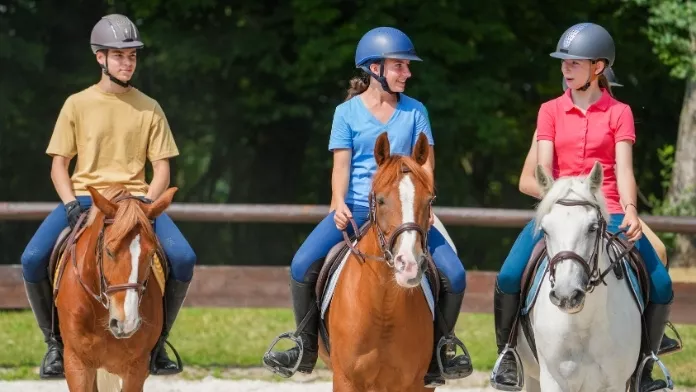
(386, 244)
(105, 289)
(590, 266)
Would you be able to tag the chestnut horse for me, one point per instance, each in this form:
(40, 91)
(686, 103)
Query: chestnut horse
(110, 317)
(380, 325)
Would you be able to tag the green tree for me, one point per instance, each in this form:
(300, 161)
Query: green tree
(671, 27)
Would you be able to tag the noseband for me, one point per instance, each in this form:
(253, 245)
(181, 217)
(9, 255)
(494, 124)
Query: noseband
(590, 266)
(386, 244)
(105, 289)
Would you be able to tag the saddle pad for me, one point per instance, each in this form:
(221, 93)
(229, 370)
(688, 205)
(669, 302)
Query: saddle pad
(333, 280)
(632, 281)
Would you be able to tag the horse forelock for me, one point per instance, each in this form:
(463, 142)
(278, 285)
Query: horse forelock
(391, 171)
(569, 188)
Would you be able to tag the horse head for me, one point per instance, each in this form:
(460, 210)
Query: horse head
(125, 250)
(572, 216)
(400, 202)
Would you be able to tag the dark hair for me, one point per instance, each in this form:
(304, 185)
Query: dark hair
(603, 81)
(358, 85)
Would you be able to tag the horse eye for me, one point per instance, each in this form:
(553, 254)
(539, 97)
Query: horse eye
(593, 227)
(380, 200)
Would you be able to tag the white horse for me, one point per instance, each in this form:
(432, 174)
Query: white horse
(587, 334)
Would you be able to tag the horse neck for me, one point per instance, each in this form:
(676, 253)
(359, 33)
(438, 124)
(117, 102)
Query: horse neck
(377, 278)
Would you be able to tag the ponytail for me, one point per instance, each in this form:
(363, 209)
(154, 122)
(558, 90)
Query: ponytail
(603, 81)
(358, 85)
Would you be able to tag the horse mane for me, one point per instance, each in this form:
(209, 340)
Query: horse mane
(128, 215)
(391, 170)
(572, 188)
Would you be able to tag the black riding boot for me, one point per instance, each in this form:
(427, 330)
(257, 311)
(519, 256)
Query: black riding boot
(669, 346)
(656, 317)
(304, 305)
(41, 300)
(506, 307)
(160, 363)
(453, 367)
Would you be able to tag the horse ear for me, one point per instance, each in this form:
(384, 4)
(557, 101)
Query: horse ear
(544, 180)
(382, 149)
(421, 150)
(162, 203)
(596, 177)
(103, 204)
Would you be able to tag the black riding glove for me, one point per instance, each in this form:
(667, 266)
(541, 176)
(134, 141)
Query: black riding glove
(74, 210)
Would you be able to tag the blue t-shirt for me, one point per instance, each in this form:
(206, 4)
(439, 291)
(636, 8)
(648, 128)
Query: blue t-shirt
(356, 128)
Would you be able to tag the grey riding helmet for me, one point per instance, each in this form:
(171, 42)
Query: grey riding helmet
(115, 31)
(586, 41)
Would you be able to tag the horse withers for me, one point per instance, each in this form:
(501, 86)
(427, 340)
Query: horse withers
(110, 317)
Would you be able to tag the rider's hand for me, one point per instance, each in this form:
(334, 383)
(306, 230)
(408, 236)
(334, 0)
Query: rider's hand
(73, 209)
(342, 215)
(631, 221)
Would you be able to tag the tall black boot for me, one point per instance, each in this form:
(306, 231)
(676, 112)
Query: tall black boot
(453, 366)
(656, 316)
(174, 296)
(306, 311)
(506, 307)
(40, 297)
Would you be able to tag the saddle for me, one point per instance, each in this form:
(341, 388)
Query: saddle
(630, 268)
(332, 266)
(67, 238)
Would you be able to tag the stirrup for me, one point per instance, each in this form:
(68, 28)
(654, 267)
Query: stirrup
(663, 368)
(680, 344)
(281, 371)
(153, 365)
(452, 342)
(520, 371)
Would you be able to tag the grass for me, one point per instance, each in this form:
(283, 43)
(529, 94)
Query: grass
(220, 338)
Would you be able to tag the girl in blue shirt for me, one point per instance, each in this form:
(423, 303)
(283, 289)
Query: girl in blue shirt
(375, 104)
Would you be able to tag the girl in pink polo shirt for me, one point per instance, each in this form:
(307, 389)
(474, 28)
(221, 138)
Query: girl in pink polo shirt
(584, 125)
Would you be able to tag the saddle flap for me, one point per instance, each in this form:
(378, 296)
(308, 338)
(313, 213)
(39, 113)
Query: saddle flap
(57, 251)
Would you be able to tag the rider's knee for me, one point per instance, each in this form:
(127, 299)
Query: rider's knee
(183, 264)
(304, 267)
(456, 277)
(34, 265)
(508, 283)
(662, 293)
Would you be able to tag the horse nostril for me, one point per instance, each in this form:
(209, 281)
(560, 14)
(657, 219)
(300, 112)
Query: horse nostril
(554, 298)
(113, 323)
(577, 296)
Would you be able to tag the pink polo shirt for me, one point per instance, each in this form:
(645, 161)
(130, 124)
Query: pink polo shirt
(581, 139)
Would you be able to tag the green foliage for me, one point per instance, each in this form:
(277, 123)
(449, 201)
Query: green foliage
(672, 30)
(249, 88)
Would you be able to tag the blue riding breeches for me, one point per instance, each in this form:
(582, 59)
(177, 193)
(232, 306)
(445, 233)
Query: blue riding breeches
(38, 252)
(510, 275)
(325, 235)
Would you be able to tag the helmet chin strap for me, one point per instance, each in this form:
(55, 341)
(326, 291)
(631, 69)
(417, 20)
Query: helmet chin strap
(381, 79)
(589, 79)
(105, 69)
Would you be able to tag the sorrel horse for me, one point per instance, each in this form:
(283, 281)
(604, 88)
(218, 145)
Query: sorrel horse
(110, 317)
(380, 325)
(586, 324)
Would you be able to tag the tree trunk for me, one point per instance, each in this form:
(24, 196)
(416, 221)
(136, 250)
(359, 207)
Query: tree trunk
(682, 192)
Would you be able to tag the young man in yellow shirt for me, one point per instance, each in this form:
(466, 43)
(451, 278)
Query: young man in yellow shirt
(112, 128)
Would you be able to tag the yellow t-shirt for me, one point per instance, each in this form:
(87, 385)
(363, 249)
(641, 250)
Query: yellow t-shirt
(112, 136)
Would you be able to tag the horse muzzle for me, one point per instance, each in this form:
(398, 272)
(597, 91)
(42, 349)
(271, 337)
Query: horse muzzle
(570, 300)
(408, 271)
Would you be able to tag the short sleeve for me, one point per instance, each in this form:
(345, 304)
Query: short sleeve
(341, 136)
(546, 124)
(161, 143)
(423, 124)
(625, 126)
(63, 141)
